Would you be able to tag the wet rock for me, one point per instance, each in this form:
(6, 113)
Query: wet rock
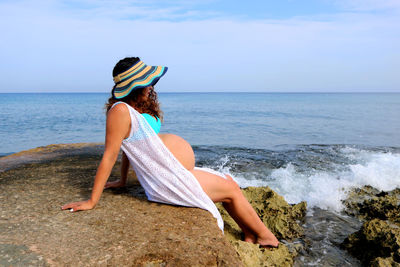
(377, 243)
(382, 207)
(384, 262)
(280, 217)
(369, 203)
(356, 197)
(376, 238)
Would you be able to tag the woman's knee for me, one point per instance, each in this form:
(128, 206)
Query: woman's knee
(233, 190)
(232, 183)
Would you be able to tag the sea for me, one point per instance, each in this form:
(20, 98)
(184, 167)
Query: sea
(311, 147)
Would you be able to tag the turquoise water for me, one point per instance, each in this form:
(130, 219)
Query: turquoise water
(250, 120)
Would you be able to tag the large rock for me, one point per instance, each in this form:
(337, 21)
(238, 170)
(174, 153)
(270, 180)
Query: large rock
(280, 217)
(377, 243)
(123, 230)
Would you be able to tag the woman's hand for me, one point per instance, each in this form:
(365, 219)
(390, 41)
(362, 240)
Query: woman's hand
(81, 205)
(115, 184)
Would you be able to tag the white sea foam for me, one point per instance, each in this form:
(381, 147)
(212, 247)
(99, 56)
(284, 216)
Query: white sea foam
(327, 189)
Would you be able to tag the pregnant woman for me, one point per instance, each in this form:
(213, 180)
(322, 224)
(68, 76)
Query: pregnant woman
(164, 164)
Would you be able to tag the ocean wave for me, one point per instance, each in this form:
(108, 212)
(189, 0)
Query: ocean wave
(319, 174)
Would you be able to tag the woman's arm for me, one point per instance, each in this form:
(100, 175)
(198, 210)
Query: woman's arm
(117, 128)
(124, 168)
(124, 174)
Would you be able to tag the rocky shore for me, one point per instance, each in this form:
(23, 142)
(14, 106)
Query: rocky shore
(377, 243)
(280, 217)
(124, 228)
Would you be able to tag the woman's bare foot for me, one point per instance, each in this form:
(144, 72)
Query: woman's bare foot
(268, 240)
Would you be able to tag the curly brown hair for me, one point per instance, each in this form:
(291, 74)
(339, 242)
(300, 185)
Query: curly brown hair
(150, 105)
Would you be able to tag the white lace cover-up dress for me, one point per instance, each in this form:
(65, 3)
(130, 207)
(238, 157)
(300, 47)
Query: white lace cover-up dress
(162, 176)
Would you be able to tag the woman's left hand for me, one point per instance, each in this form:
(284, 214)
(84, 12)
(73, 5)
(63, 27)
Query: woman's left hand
(81, 205)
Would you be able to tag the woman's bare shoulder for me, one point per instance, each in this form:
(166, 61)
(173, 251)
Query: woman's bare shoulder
(118, 112)
(118, 122)
(119, 109)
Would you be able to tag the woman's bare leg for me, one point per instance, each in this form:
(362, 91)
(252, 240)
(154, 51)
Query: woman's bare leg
(248, 235)
(228, 192)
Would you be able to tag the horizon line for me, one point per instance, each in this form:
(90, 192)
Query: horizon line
(218, 92)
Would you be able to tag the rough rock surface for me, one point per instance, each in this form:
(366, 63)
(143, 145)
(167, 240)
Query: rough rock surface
(124, 229)
(377, 243)
(369, 203)
(280, 217)
(384, 262)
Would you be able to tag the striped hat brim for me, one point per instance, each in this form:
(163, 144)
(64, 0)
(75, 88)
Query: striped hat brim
(136, 77)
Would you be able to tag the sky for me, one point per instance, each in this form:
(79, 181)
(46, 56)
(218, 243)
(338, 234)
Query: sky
(208, 45)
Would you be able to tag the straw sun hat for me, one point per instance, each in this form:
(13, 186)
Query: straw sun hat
(136, 77)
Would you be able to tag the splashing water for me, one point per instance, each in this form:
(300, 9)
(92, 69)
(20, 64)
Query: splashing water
(323, 181)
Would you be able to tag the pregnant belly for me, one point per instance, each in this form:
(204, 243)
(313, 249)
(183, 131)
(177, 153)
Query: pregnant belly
(180, 148)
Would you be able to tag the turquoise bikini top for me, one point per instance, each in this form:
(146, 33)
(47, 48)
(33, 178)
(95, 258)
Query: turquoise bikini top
(154, 123)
